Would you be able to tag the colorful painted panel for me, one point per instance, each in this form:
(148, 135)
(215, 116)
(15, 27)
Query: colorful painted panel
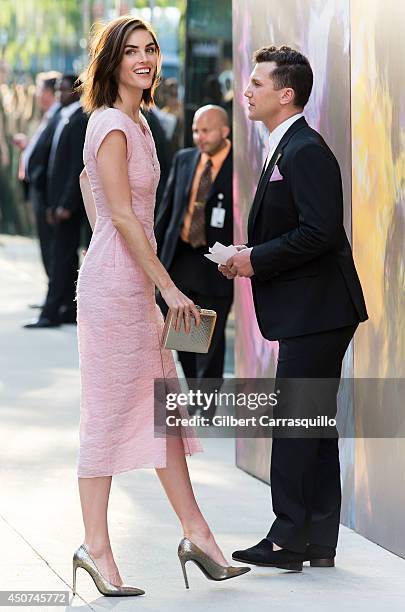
(378, 134)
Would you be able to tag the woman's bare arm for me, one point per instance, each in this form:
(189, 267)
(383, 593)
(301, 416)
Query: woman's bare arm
(88, 199)
(113, 169)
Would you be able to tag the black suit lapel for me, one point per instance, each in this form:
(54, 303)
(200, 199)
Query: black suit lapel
(265, 177)
(65, 131)
(39, 156)
(261, 188)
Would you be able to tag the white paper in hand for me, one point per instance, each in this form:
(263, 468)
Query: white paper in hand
(220, 253)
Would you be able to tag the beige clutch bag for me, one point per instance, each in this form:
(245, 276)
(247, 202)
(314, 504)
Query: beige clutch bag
(198, 340)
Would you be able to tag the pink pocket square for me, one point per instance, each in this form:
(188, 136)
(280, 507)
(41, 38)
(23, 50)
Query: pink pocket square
(276, 175)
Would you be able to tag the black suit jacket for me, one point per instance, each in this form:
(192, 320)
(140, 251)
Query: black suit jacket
(38, 161)
(162, 151)
(304, 278)
(170, 216)
(63, 187)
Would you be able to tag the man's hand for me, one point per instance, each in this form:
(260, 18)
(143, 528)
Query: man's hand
(226, 272)
(238, 265)
(50, 219)
(62, 214)
(20, 140)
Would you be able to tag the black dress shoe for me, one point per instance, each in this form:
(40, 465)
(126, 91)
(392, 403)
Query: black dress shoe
(320, 556)
(41, 323)
(263, 554)
(68, 317)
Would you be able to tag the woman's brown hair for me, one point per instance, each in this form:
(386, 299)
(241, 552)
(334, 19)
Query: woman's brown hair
(100, 87)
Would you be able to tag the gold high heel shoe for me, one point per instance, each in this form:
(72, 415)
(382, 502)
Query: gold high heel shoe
(188, 551)
(81, 558)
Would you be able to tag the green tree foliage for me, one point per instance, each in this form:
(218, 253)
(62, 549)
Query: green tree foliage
(32, 31)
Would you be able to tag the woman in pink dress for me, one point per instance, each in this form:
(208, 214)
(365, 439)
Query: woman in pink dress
(119, 323)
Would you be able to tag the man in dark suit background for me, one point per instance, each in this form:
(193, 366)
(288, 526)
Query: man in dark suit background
(307, 295)
(35, 152)
(196, 212)
(65, 206)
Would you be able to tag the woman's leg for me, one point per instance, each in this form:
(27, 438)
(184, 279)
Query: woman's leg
(94, 495)
(176, 482)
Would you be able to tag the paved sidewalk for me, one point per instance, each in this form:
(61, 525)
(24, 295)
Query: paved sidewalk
(40, 519)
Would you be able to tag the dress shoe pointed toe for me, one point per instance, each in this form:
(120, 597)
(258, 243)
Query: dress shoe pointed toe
(41, 323)
(188, 551)
(257, 553)
(82, 559)
(263, 554)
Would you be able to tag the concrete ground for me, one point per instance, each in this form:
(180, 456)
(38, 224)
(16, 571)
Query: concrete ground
(40, 519)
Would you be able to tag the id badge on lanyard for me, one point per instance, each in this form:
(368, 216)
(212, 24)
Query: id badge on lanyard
(218, 213)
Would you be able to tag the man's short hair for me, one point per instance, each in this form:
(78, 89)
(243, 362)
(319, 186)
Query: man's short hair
(49, 84)
(48, 80)
(73, 79)
(292, 70)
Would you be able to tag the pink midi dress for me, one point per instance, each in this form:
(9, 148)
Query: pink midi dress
(119, 324)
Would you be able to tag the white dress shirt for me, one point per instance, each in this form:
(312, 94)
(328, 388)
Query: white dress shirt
(277, 134)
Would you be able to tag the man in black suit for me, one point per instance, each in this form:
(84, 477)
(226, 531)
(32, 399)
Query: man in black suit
(34, 157)
(65, 206)
(196, 212)
(307, 295)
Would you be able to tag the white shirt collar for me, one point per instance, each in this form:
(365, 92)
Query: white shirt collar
(51, 110)
(278, 132)
(67, 111)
